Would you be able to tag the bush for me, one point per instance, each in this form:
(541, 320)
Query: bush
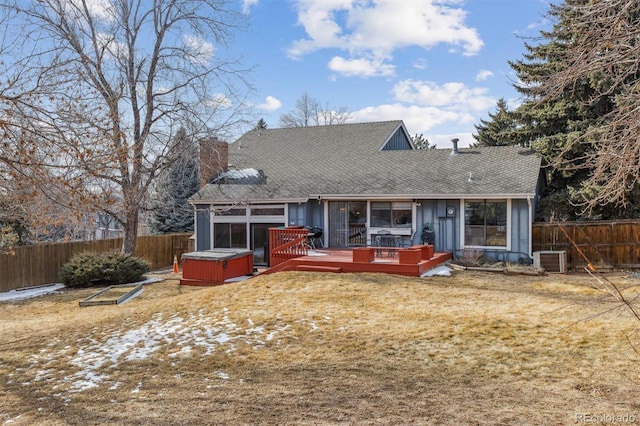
(111, 268)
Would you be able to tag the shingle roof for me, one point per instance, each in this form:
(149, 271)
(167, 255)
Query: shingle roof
(346, 160)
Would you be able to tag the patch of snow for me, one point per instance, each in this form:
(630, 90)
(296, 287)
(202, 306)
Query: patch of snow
(238, 279)
(440, 271)
(132, 296)
(9, 421)
(94, 359)
(241, 174)
(28, 293)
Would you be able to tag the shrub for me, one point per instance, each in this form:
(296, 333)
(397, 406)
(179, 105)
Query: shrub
(89, 268)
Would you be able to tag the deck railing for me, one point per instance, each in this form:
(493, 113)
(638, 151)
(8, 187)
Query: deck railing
(287, 243)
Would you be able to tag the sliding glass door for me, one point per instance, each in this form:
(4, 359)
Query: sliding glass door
(347, 223)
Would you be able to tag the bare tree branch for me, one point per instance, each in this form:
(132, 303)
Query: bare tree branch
(103, 87)
(309, 112)
(604, 50)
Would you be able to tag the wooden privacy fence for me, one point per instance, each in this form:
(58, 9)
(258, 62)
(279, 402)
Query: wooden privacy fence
(40, 263)
(608, 245)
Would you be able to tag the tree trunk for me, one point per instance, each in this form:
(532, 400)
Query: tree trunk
(130, 231)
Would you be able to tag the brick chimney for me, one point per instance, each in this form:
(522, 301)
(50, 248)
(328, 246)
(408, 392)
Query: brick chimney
(214, 158)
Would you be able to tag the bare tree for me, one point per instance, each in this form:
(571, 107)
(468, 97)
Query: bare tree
(310, 112)
(102, 87)
(605, 52)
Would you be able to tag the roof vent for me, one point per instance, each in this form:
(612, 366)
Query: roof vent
(454, 151)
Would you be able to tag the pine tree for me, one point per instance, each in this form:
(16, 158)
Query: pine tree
(420, 142)
(172, 211)
(601, 71)
(261, 125)
(500, 130)
(551, 124)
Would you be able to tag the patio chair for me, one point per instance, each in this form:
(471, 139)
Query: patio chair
(384, 239)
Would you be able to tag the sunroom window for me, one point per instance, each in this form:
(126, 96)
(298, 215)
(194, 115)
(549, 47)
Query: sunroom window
(485, 223)
(391, 214)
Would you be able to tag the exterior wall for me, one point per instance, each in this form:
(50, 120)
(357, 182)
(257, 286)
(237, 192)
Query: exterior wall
(447, 219)
(315, 214)
(203, 230)
(445, 227)
(520, 225)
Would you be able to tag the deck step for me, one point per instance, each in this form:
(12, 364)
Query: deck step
(318, 268)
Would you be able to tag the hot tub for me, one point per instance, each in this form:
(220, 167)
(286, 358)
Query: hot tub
(214, 267)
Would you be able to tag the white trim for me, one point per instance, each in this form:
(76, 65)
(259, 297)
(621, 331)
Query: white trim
(396, 197)
(530, 227)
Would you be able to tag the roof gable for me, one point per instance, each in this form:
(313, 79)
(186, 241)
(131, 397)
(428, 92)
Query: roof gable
(398, 141)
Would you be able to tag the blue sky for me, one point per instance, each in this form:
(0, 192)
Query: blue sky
(439, 65)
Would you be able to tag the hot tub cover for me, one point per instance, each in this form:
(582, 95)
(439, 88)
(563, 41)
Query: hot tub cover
(216, 254)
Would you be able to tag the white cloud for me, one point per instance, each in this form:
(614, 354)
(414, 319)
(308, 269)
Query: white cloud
(270, 104)
(99, 9)
(247, 4)
(451, 95)
(199, 50)
(375, 28)
(418, 119)
(444, 140)
(360, 67)
(425, 106)
(420, 64)
(219, 101)
(483, 75)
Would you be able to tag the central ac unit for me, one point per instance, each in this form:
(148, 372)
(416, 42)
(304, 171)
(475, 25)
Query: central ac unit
(550, 261)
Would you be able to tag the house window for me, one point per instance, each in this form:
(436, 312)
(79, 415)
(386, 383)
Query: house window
(391, 214)
(267, 211)
(485, 223)
(232, 212)
(230, 235)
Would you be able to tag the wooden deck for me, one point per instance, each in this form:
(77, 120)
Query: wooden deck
(412, 261)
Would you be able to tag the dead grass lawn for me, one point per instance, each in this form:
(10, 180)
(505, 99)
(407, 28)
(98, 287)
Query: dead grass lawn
(311, 348)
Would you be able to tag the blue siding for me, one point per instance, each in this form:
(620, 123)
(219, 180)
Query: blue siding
(315, 214)
(203, 230)
(519, 230)
(397, 142)
(433, 212)
(447, 229)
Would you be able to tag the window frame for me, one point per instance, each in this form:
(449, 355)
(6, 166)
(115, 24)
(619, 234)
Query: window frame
(463, 224)
(393, 213)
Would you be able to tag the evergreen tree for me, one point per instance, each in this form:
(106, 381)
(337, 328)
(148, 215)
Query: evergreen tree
(551, 124)
(500, 130)
(420, 142)
(601, 71)
(179, 181)
(261, 125)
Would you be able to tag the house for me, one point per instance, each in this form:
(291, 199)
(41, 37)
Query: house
(355, 180)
